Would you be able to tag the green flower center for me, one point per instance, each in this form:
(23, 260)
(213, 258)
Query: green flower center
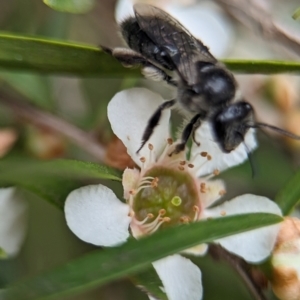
(173, 196)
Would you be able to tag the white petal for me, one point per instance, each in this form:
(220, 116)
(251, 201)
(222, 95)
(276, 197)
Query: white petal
(198, 250)
(13, 220)
(97, 216)
(220, 160)
(129, 112)
(254, 245)
(180, 277)
(130, 180)
(206, 23)
(213, 191)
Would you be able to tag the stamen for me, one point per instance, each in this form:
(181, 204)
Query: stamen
(203, 154)
(216, 172)
(197, 212)
(163, 220)
(151, 158)
(154, 182)
(149, 216)
(162, 212)
(203, 187)
(222, 192)
(146, 179)
(154, 225)
(181, 168)
(143, 187)
(185, 219)
(174, 162)
(166, 150)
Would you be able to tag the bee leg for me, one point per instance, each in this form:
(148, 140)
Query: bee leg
(127, 57)
(153, 121)
(188, 130)
(130, 58)
(155, 73)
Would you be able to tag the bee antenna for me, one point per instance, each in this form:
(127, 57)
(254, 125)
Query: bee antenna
(277, 129)
(251, 160)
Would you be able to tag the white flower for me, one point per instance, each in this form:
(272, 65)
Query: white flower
(285, 261)
(204, 20)
(13, 217)
(165, 191)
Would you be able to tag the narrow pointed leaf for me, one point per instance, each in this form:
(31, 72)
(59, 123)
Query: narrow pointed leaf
(25, 53)
(103, 266)
(51, 180)
(46, 55)
(262, 66)
(149, 282)
(289, 196)
(71, 6)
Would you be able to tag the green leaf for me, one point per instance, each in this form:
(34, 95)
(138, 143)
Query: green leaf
(51, 180)
(289, 195)
(103, 266)
(296, 14)
(149, 282)
(262, 66)
(45, 55)
(71, 6)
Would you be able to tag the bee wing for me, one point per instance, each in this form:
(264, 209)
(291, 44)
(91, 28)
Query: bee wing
(183, 49)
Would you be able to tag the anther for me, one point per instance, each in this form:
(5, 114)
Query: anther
(166, 219)
(203, 154)
(222, 192)
(223, 213)
(191, 166)
(132, 192)
(181, 168)
(170, 141)
(150, 146)
(162, 212)
(143, 159)
(185, 219)
(203, 187)
(183, 162)
(196, 210)
(150, 216)
(154, 182)
(216, 172)
(209, 157)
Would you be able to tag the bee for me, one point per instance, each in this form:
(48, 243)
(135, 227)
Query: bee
(206, 89)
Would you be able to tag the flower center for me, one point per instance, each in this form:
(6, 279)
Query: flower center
(171, 198)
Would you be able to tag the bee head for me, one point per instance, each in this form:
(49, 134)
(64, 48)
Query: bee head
(230, 125)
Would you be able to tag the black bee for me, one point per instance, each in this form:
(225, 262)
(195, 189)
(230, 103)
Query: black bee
(206, 90)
